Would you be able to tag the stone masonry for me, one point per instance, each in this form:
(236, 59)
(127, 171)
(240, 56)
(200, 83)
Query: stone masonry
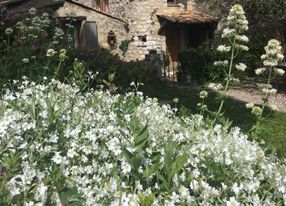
(105, 23)
(134, 20)
(143, 24)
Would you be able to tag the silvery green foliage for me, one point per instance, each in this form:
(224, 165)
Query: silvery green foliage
(124, 150)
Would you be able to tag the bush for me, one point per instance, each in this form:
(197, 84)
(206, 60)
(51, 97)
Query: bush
(192, 64)
(61, 147)
(24, 45)
(198, 64)
(103, 62)
(25, 49)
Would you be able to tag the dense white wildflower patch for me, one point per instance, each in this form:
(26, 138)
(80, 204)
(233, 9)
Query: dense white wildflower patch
(102, 149)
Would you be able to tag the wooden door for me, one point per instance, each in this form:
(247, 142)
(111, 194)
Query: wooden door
(91, 37)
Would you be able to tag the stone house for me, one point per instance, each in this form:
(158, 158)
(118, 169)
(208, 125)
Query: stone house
(146, 26)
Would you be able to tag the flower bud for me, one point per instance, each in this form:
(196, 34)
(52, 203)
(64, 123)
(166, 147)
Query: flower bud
(257, 111)
(203, 94)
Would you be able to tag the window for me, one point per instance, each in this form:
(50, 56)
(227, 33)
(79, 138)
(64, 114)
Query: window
(102, 5)
(142, 38)
(172, 2)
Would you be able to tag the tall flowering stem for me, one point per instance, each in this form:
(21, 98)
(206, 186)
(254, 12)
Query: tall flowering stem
(270, 60)
(236, 25)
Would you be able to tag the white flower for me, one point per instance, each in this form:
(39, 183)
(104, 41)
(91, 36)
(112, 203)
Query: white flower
(242, 38)
(215, 86)
(221, 63)
(280, 56)
(249, 105)
(235, 188)
(8, 31)
(132, 84)
(41, 192)
(51, 53)
(260, 71)
(126, 168)
(273, 53)
(269, 91)
(223, 48)
(25, 60)
(240, 67)
(279, 72)
(184, 192)
(71, 153)
(228, 33)
(203, 94)
(232, 202)
(57, 158)
(92, 126)
(273, 107)
(114, 146)
(127, 117)
(242, 47)
(237, 19)
(32, 11)
(176, 100)
(270, 63)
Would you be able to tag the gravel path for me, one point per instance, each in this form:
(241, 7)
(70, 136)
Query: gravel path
(254, 95)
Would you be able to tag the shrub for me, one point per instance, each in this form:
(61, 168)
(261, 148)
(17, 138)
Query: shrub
(104, 63)
(61, 147)
(24, 46)
(192, 64)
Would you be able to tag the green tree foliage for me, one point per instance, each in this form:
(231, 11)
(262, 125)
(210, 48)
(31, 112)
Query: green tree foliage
(266, 17)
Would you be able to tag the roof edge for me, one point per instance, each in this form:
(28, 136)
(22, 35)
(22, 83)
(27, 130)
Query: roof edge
(96, 10)
(189, 17)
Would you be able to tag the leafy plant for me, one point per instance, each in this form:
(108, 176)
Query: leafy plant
(124, 45)
(192, 64)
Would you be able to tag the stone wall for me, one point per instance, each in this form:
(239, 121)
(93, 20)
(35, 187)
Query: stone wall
(105, 23)
(140, 16)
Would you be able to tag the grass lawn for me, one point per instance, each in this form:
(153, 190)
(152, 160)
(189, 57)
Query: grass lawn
(273, 129)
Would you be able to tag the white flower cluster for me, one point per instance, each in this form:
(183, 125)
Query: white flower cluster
(237, 19)
(236, 24)
(215, 86)
(273, 54)
(34, 26)
(240, 67)
(118, 149)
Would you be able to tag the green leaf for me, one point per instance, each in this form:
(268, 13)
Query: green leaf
(148, 171)
(169, 154)
(146, 200)
(165, 182)
(142, 138)
(178, 165)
